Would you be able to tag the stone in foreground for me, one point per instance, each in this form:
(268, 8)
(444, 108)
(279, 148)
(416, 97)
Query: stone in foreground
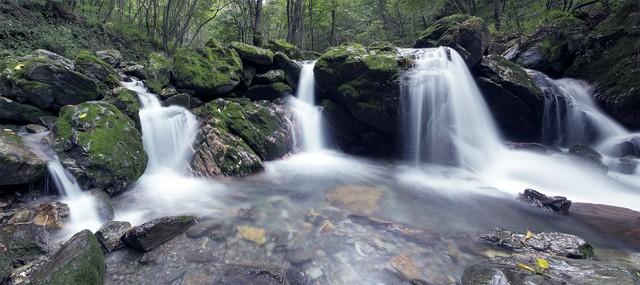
(110, 235)
(233, 274)
(559, 244)
(155, 232)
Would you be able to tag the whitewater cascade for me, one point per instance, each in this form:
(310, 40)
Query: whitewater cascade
(167, 132)
(445, 118)
(307, 112)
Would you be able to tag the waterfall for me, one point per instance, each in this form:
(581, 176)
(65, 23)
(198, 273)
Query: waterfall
(445, 118)
(167, 132)
(309, 115)
(571, 116)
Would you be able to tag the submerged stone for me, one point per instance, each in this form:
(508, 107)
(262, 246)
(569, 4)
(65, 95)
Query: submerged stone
(357, 199)
(233, 274)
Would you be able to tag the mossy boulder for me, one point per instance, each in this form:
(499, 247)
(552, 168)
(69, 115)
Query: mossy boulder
(18, 165)
(268, 91)
(157, 71)
(126, 101)
(468, 35)
(609, 58)
(516, 102)
(271, 76)
(365, 82)
(79, 261)
(19, 113)
(291, 68)
(93, 67)
(100, 145)
(253, 54)
(212, 70)
(23, 243)
(551, 48)
(292, 51)
(47, 81)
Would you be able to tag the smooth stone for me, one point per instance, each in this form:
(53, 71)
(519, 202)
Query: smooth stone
(111, 234)
(33, 128)
(235, 274)
(155, 232)
(355, 198)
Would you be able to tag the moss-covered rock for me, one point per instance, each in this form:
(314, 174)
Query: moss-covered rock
(468, 35)
(609, 58)
(363, 81)
(18, 113)
(268, 91)
(293, 52)
(47, 81)
(253, 54)
(18, 165)
(101, 146)
(79, 261)
(291, 68)
(126, 101)
(157, 71)
(90, 65)
(271, 76)
(516, 102)
(213, 70)
(552, 48)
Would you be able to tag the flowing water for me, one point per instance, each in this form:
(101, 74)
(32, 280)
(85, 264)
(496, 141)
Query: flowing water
(307, 113)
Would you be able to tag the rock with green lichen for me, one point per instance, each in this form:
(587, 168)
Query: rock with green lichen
(253, 54)
(93, 67)
(18, 164)
(513, 97)
(468, 35)
(79, 261)
(364, 82)
(126, 101)
(46, 81)
(212, 70)
(157, 70)
(100, 146)
(286, 48)
(552, 47)
(271, 76)
(268, 91)
(19, 113)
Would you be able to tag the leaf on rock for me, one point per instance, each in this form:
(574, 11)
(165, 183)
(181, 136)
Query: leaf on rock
(525, 267)
(19, 66)
(528, 236)
(83, 115)
(542, 264)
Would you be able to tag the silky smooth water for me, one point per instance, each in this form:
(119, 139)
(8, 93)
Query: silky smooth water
(307, 113)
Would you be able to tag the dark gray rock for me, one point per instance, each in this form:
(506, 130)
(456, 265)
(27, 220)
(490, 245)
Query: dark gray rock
(556, 204)
(291, 68)
(18, 113)
(234, 274)
(110, 56)
(271, 76)
(554, 243)
(155, 232)
(268, 91)
(18, 164)
(626, 165)
(24, 242)
(182, 100)
(587, 154)
(34, 128)
(110, 235)
(135, 70)
(79, 261)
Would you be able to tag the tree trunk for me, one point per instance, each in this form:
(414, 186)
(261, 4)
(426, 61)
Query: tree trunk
(496, 13)
(257, 24)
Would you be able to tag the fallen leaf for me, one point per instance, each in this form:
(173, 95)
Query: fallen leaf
(528, 236)
(542, 264)
(525, 267)
(19, 66)
(83, 115)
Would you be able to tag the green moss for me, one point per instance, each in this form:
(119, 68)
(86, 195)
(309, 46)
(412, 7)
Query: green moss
(207, 70)
(158, 71)
(253, 54)
(89, 64)
(88, 268)
(286, 48)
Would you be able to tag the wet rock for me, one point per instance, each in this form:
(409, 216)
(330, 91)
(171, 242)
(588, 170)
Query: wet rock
(253, 234)
(587, 154)
(155, 232)
(182, 100)
(534, 147)
(104, 206)
(268, 91)
(100, 146)
(291, 68)
(203, 228)
(110, 235)
(22, 216)
(126, 101)
(357, 199)
(51, 216)
(157, 71)
(253, 54)
(269, 77)
(18, 164)
(618, 222)
(290, 50)
(19, 113)
(34, 129)
(93, 67)
(417, 235)
(110, 56)
(468, 35)
(299, 256)
(79, 261)
(249, 214)
(559, 244)
(626, 165)
(135, 70)
(233, 274)
(24, 242)
(405, 266)
(556, 204)
(509, 271)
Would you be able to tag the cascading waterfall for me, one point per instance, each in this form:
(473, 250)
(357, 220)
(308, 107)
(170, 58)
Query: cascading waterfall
(167, 132)
(307, 112)
(444, 115)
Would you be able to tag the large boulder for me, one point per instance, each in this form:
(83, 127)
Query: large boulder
(268, 91)
(23, 243)
(79, 261)
(212, 70)
(126, 101)
(292, 51)
(157, 72)
(516, 102)
(253, 54)
(552, 47)
(47, 81)
(111, 56)
(18, 113)
(155, 232)
(468, 35)
(100, 146)
(93, 67)
(291, 68)
(18, 164)
(609, 58)
(362, 81)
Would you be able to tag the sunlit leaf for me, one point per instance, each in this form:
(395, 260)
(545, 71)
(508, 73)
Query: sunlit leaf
(83, 115)
(19, 66)
(528, 236)
(542, 264)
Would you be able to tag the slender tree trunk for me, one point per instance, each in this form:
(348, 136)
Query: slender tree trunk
(311, 24)
(332, 34)
(496, 13)
(257, 24)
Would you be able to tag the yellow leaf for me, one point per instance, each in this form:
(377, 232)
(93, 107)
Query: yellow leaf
(542, 264)
(8, 130)
(528, 236)
(83, 115)
(19, 66)
(525, 267)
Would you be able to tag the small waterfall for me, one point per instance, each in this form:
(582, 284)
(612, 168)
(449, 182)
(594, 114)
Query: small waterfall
(307, 112)
(571, 117)
(167, 132)
(445, 118)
